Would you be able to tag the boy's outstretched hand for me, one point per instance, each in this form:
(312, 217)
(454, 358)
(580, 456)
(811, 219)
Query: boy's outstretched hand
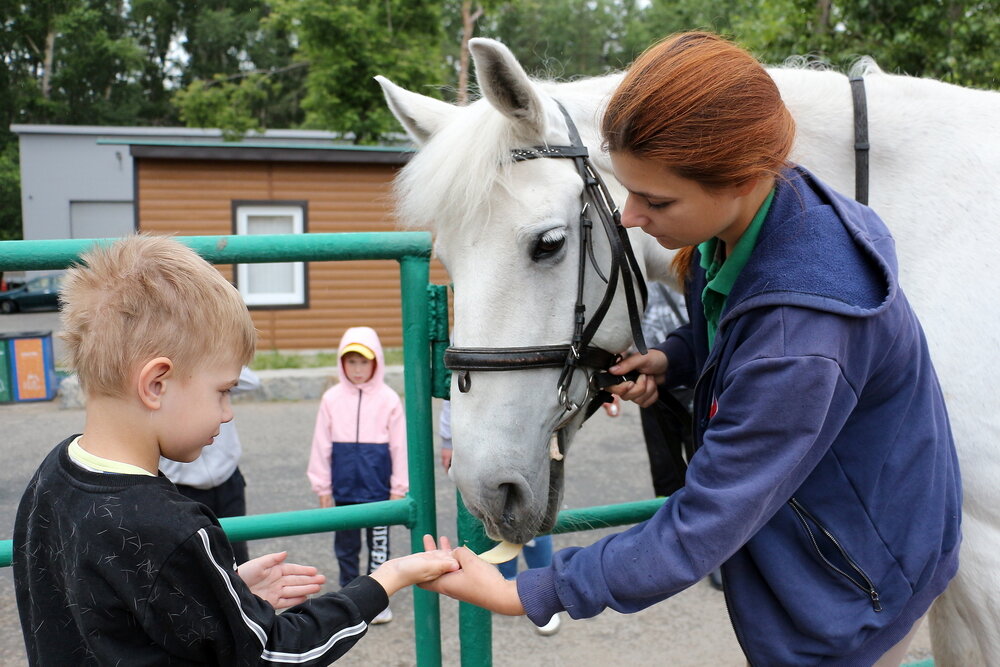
(416, 568)
(476, 582)
(281, 584)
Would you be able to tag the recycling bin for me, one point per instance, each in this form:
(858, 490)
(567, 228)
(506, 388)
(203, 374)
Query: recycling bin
(27, 367)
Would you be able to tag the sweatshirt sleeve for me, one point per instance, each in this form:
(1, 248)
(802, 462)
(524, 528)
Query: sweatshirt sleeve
(750, 463)
(200, 610)
(679, 349)
(444, 425)
(319, 472)
(399, 480)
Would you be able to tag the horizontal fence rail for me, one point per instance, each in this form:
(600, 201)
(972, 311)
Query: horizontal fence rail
(417, 511)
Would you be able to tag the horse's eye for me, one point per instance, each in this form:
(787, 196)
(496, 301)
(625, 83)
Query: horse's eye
(548, 244)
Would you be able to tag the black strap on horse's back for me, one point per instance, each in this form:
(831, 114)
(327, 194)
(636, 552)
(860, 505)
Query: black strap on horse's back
(861, 145)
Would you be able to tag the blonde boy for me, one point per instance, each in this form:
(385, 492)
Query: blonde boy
(111, 564)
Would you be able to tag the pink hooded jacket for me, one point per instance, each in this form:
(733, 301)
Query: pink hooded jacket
(359, 444)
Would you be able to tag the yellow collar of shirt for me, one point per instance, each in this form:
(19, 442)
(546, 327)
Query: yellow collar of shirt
(89, 461)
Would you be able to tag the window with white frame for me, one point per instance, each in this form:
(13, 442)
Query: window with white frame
(273, 284)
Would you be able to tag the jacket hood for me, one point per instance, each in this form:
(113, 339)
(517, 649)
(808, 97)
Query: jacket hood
(365, 336)
(818, 249)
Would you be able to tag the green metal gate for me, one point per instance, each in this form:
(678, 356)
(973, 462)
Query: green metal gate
(425, 336)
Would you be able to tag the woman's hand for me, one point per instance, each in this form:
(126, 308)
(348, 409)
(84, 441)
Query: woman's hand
(652, 367)
(476, 582)
(280, 583)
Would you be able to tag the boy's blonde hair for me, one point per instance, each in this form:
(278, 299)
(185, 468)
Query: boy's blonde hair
(144, 297)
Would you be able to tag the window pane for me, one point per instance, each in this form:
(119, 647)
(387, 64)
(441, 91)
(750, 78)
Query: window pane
(273, 284)
(270, 224)
(270, 278)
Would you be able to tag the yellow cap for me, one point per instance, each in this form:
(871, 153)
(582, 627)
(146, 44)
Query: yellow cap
(363, 350)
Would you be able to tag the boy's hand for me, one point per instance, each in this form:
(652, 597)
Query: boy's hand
(477, 582)
(653, 369)
(281, 584)
(416, 568)
(326, 500)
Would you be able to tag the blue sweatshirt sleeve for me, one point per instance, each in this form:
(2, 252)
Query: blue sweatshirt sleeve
(679, 348)
(776, 419)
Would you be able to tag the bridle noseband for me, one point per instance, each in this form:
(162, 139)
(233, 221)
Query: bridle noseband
(579, 352)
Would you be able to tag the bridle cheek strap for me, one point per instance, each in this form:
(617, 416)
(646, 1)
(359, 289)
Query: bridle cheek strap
(579, 352)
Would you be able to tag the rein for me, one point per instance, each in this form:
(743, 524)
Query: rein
(624, 266)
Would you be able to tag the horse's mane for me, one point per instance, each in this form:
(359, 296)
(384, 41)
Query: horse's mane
(457, 173)
(862, 66)
(453, 175)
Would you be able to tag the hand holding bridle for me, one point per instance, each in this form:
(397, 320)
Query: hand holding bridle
(652, 367)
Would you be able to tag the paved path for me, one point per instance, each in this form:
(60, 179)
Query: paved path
(607, 464)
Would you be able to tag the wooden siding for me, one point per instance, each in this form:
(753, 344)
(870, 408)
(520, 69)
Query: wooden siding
(194, 197)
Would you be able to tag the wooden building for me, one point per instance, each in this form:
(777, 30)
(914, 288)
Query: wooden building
(212, 187)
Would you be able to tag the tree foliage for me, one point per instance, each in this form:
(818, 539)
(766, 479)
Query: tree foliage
(347, 43)
(247, 65)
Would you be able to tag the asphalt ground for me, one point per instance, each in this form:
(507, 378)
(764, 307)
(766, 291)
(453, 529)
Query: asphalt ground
(607, 464)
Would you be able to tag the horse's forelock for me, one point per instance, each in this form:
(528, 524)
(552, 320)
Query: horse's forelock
(453, 177)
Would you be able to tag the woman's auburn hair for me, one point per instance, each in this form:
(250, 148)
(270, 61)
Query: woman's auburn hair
(705, 108)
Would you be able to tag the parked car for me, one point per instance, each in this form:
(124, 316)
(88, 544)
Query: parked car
(41, 293)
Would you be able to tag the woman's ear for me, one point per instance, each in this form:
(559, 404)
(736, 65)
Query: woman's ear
(152, 381)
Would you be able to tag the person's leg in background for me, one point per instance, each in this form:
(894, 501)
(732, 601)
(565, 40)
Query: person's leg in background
(347, 548)
(538, 552)
(378, 553)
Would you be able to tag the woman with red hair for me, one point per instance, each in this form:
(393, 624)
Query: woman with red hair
(824, 481)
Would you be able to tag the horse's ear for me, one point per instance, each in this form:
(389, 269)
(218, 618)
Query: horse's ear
(420, 115)
(505, 84)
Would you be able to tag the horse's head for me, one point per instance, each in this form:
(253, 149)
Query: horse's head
(509, 234)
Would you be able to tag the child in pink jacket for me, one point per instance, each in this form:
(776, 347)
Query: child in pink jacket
(359, 448)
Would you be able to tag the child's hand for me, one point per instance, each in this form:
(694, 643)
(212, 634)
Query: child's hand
(477, 582)
(280, 583)
(326, 500)
(416, 568)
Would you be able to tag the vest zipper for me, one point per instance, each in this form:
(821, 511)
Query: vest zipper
(700, 423)
(865, 584)
(357, 421)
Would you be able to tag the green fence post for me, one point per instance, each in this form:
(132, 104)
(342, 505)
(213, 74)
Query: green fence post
(437, 296)
(415, 277)
(475, 624)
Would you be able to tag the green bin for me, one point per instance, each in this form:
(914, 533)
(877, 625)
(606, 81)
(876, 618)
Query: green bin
(6, 395)
(27, 367)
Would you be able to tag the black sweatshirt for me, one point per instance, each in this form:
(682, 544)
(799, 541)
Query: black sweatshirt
(122, 569)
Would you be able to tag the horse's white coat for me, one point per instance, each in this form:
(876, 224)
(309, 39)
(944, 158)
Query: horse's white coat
(935, 161)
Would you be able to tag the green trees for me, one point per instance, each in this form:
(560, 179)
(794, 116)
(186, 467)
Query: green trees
(346, 43)
(247, 65)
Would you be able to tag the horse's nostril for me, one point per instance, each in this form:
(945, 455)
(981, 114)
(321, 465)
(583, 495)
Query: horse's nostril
(510, 495)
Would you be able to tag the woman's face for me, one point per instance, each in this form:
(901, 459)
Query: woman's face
(677, 211)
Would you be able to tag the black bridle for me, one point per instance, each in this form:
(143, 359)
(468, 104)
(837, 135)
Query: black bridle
(579, 352)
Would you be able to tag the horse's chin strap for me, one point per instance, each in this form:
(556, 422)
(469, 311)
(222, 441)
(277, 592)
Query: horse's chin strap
(579, 352)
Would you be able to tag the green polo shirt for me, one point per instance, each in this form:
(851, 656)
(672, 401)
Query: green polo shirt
(721, 272)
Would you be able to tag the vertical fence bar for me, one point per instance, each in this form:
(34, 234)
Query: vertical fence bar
(414, 278)
(475, 624)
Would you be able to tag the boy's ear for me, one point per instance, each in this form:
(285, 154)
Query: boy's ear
(152, 381)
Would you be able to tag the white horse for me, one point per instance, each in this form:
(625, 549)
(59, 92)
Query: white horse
(507, 234)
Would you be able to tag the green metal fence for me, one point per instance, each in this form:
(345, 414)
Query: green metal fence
(425, 336)
(417, 511)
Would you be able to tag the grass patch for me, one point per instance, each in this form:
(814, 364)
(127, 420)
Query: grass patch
(273, 359)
